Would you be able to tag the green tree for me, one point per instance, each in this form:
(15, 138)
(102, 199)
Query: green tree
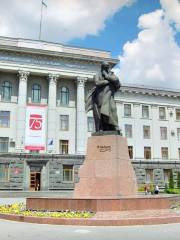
(178, 180)
(171, 180)
(166, 188)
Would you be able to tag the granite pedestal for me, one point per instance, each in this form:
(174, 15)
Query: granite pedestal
(107, 171)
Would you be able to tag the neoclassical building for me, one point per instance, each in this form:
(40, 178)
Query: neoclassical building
(44, 126)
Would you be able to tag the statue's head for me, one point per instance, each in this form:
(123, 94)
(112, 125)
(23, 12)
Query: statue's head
(105, 66)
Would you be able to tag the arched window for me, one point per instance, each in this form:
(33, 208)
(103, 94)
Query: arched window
(64, 96)
(36, 93)
(6, 91)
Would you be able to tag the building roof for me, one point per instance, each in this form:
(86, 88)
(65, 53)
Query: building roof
(156, 91)
(55, 49)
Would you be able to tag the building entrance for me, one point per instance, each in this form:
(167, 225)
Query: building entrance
(35, 181)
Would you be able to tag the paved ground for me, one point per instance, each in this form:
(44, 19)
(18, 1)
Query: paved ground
(16, 230)
(27, 231)
(24, 194)
(12, 200)
(137, 214)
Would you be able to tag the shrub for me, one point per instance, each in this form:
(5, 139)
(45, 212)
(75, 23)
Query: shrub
(151, 188)
(166, 188)
(141, 188)
(173, 191)
(171, 180)
(178, 180)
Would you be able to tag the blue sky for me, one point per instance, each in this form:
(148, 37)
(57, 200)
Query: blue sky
(120, 28)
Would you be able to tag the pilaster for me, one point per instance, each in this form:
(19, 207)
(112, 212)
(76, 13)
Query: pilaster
(81, 118)
(21, 110)
(52, 120)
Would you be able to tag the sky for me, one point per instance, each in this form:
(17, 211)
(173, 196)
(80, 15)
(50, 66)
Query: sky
(143, 34)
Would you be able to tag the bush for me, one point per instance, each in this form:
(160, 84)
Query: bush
(166, 188)
(151, 188)
(178, 180)
(173, 191)
(171, 180)
(141, 188)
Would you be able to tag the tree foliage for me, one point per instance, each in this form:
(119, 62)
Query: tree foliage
(178, 180)
(171, 180)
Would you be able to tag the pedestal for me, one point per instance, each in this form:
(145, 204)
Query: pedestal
(107, 171)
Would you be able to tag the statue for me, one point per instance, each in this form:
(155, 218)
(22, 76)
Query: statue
(101, 100)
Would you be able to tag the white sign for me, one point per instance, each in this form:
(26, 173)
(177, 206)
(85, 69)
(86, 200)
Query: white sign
(35, 134)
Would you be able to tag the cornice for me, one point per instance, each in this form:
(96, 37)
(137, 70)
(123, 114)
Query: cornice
(65, 55)
(155, 162)
(151, 91)
(45, 157)
(14, 61)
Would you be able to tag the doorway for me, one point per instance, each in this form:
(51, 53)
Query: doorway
(35, 181)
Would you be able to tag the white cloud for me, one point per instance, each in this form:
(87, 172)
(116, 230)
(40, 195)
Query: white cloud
(63, 19)
(4, 28)
(155, 73)
(154, 57)
(172, 10)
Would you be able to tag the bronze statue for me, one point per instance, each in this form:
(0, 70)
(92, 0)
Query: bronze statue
(101, 100)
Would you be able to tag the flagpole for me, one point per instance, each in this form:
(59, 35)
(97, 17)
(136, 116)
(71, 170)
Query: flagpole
(40, 27)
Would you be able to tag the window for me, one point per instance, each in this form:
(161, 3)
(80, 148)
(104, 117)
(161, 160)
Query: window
(6, 91)
(36, 93)
(34, 151)
(147, 152)
(149, 176)
(162, 113)
(4, 119)
(145, 111)
(130, 149)
(127, 110)
(178, 114)
(64, 95)
(64, 146)
(4, 172)
(146, 132)
(163, 131)
(167, 173)
(4, 142)
(64, 122)
(68, 173)
(164, 152)
(178, 134)
(90, 122)
(128, 130)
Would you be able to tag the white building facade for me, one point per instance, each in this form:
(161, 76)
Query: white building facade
(44, 126)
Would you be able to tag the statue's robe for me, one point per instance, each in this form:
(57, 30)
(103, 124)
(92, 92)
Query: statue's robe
(101, 100)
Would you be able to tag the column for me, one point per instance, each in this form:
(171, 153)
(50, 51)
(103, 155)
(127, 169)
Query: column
(21, 110)
(81, 118)
(52, 121)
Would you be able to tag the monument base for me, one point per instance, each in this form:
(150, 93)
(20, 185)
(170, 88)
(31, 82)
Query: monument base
(107, 170)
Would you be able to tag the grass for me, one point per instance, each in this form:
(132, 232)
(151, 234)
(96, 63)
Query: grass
(20, 209)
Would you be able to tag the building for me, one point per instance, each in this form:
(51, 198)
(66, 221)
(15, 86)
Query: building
(44, 127)
(150, 119)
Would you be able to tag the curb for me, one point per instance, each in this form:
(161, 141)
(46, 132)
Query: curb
(92, 221)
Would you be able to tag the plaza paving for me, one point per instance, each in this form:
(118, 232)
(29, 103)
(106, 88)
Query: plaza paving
(27, 231)
(11, 230)
(24, 194)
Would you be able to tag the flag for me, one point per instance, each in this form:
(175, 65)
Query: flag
(50, 142)
(43, 3)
